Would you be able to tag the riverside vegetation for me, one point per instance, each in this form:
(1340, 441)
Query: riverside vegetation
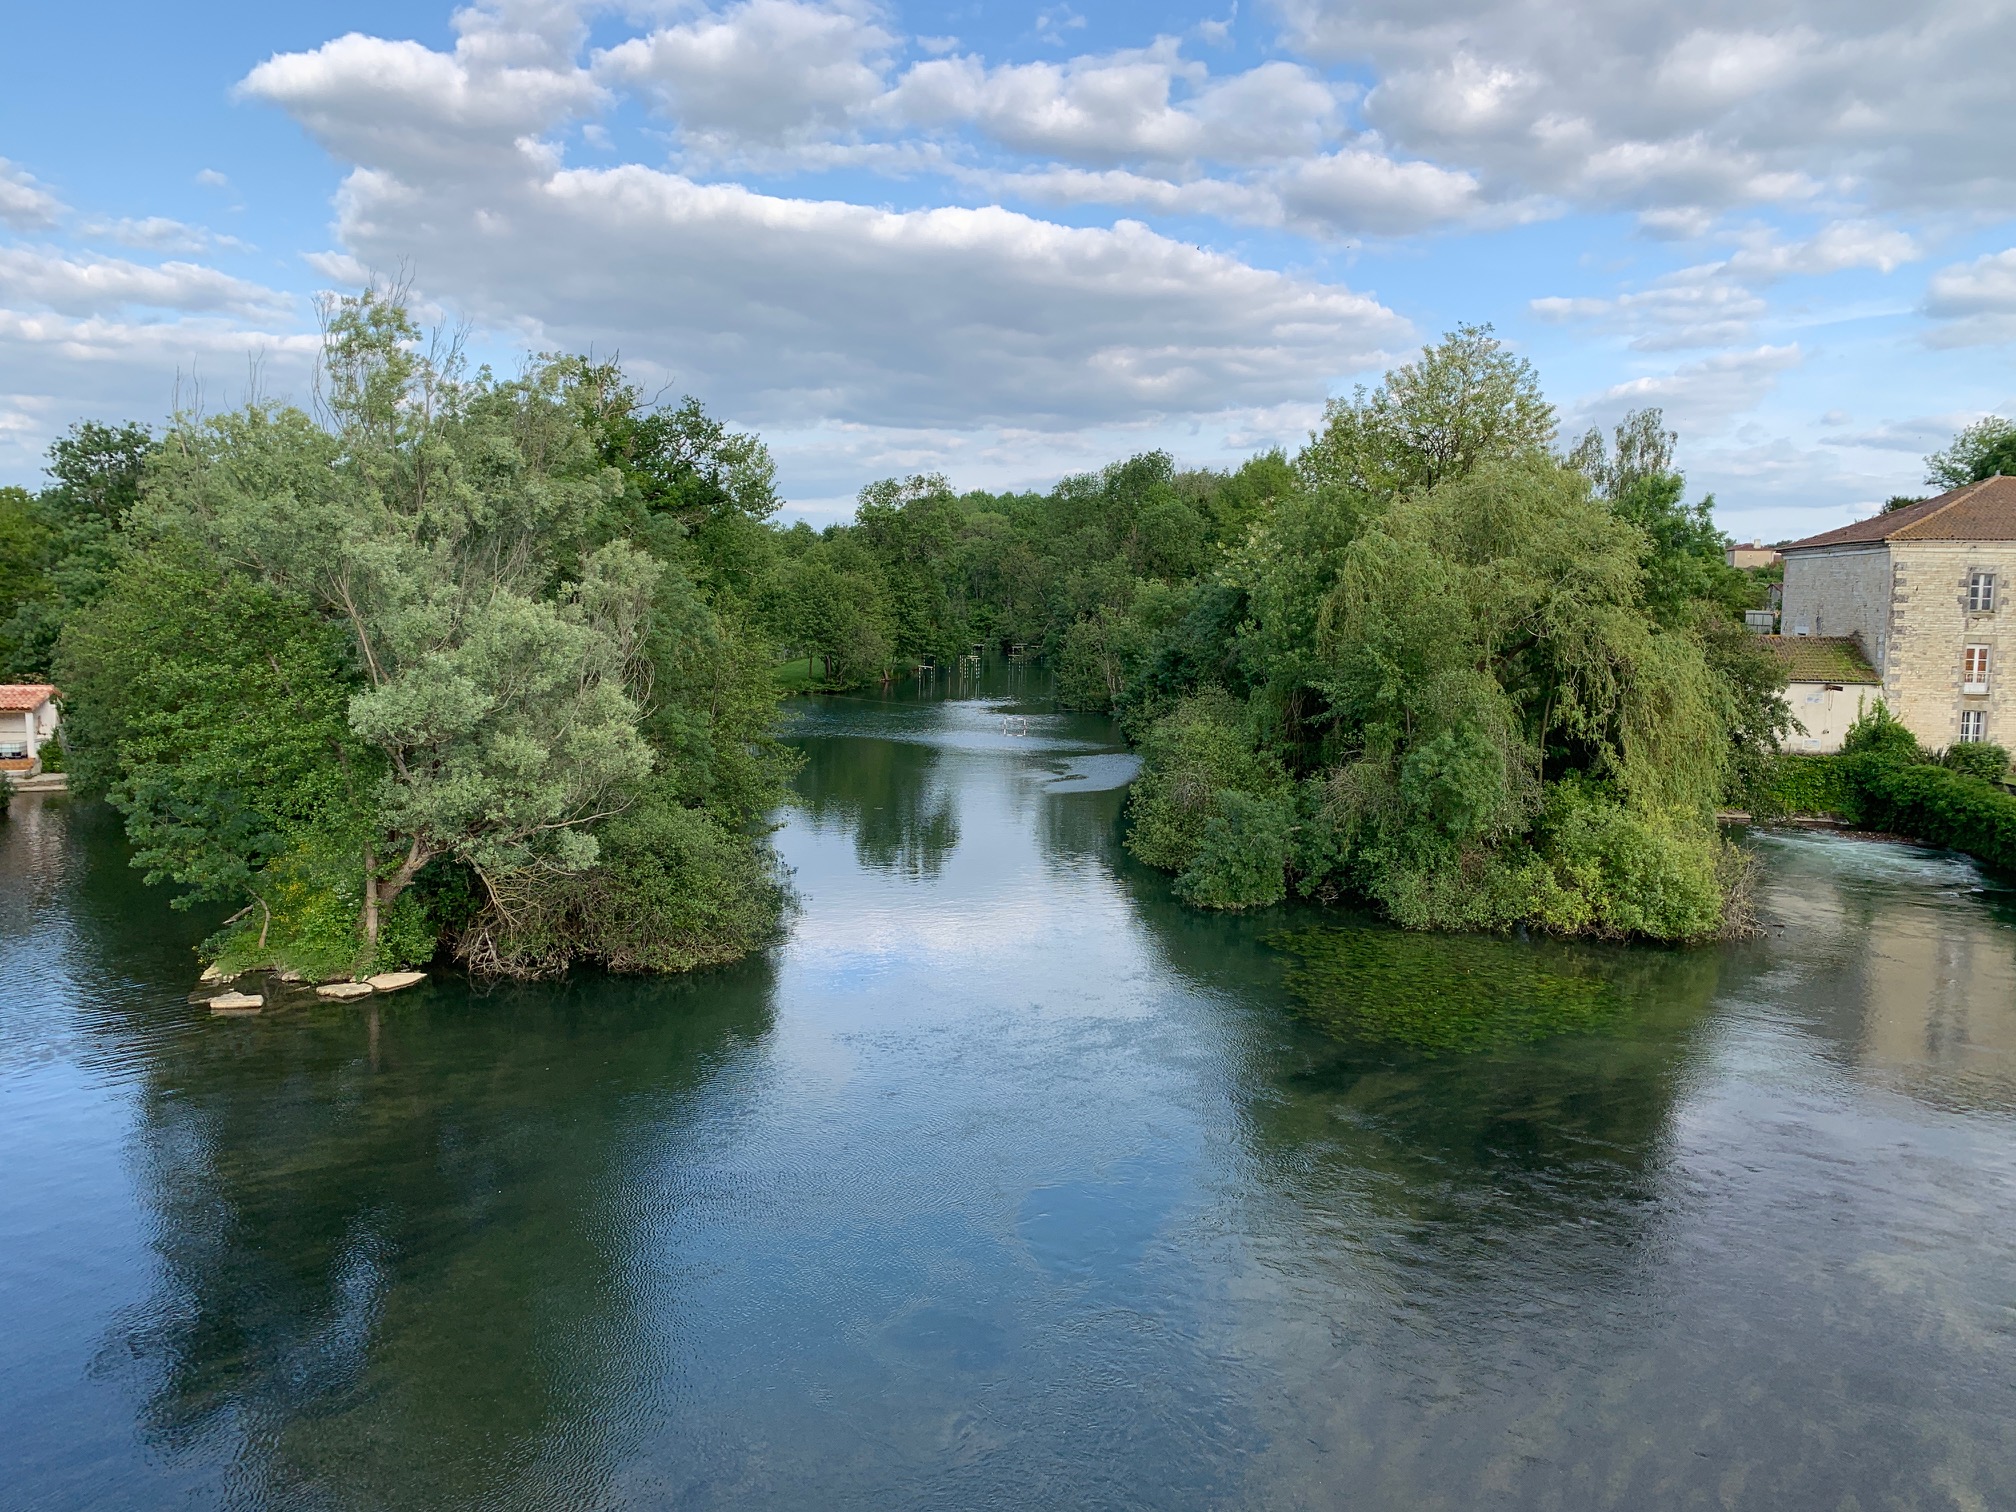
(489, 664)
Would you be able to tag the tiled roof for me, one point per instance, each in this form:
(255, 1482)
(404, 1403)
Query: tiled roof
(1822, 658)
(1978, 512)
(21, 697)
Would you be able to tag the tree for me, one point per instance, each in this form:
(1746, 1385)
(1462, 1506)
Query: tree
(1981, 450)
(57, 549)
(1462, 402)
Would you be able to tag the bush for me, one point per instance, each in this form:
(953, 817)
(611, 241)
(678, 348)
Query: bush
(1808, 785)
(1241, 858)
(1189, 759)
(1880, 733)
(1937, 804)
(1976, 759)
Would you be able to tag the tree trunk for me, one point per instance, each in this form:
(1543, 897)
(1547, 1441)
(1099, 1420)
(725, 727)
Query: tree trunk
(370, 901)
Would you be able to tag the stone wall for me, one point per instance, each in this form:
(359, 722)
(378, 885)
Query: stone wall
(1930, 629)
(1843, 590)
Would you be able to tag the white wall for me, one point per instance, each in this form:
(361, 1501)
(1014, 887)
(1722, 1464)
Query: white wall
(1824, 714)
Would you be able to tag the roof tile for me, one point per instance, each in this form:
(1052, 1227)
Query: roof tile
(1983, 511)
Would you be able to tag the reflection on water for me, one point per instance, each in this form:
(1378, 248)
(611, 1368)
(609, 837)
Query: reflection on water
(1007, 1181)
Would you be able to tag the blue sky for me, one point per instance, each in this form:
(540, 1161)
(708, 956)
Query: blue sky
(1009, 242)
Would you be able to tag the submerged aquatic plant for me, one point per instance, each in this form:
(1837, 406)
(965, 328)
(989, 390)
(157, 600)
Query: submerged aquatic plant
(1442, 994)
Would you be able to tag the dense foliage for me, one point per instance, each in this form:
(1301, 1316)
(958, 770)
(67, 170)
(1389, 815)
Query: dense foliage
(465, 660)
(495, 660)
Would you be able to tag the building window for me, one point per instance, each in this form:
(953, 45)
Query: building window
(1980, 592)
(1974, 670)
(1973, 725)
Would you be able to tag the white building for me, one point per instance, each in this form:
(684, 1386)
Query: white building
(1829, 685)
(28, 720)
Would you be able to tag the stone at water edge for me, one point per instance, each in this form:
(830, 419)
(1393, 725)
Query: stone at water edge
(344, 991)
(215, 973)
(392, 981)
(231, 1003)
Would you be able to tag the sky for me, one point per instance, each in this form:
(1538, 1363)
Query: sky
(1010, 242)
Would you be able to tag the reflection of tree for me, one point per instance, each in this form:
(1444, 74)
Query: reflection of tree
(1079, 826)
(903, 819)
(1933, 1011)
(1480, 1135)
(396, 1242)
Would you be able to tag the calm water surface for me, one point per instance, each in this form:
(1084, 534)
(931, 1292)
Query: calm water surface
(1005, 1182)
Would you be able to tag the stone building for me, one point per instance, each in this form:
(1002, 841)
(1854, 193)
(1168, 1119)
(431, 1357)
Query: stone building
(1925, 592)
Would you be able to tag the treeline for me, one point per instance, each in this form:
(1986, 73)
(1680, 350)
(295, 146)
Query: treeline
(1430, 663)
(491, 663)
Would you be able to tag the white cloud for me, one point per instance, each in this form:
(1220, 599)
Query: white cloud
(1122, 107)
(1717, 303)
(24, 203)
(764, 71)
(1974, 302)
(57, 368)
(1626, 104)
(90, 285)
(794, 309)
(1703, 396)
(511, 79)
(158, 233)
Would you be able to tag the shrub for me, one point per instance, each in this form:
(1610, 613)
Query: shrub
(1976, 759)
(1241, 858)
(1189, 758)
(1937, 804)
(1808, 785)
(1880, 733)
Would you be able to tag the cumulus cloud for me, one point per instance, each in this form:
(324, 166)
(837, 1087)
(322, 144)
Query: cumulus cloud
(1123, 107)
(1974, 302)
(1672, 106)
(105, 285)
(56, 368)
(790, 309)
(24, 203)
(764, 72)
(511, 78)
(1701, 396)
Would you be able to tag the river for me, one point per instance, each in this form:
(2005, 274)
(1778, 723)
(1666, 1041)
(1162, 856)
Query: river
(1004, 1181)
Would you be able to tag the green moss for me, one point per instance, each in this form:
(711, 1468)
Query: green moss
(1442, 994)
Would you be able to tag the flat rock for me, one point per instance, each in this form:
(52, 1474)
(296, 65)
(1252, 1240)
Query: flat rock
(237, 1004)
(392, 981)
(343, 991)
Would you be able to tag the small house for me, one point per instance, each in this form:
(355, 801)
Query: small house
(1829, 684)
(28, 720)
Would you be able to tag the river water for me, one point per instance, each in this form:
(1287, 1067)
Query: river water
(1004, 1181)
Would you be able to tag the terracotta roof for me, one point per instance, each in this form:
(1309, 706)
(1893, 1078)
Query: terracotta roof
(1978, 512)
(1822, 658)
(21, 697)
